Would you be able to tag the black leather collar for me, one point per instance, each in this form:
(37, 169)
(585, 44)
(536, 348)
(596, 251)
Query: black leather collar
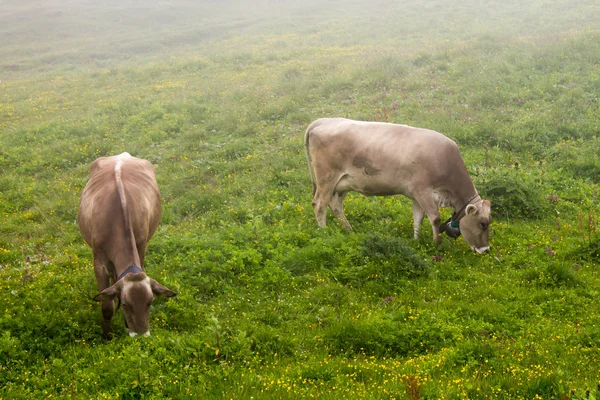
(132, 269)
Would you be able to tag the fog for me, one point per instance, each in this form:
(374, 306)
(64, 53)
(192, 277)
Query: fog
(105, 33)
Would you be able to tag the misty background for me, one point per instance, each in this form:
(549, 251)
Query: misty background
(64, 35)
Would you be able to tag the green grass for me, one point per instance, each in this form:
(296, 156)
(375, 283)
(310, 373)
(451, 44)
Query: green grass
(269, 306)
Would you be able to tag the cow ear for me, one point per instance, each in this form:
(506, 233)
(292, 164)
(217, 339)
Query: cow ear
(109, 293)
(161, 291)
(471, 209)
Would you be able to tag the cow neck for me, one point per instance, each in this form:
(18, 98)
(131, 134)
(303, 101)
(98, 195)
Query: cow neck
(123, 257)
(461, 212)
(132, 269)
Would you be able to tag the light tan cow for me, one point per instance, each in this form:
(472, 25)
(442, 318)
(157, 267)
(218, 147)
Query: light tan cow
(380, 159)
(119, 212)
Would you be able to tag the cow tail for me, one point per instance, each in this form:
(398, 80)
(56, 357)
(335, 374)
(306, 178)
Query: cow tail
(308, 157)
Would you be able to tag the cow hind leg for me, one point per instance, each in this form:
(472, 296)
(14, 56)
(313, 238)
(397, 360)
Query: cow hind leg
(337, 208)
(418, 215)
(108, 306)
(320, 202)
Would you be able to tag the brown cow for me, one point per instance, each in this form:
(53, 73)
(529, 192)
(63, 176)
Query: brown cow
(119, 212)
(380, 159)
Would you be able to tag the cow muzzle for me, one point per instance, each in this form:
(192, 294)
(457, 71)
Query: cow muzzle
(480, 250)
(134, 334)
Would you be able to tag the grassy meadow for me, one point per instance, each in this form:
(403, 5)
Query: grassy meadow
(217, 95)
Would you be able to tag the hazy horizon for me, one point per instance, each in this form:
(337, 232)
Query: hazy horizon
(77, 33)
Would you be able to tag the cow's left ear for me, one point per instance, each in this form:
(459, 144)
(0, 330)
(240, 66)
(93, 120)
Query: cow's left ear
(109, 293)
(471, 209)
(161, 291)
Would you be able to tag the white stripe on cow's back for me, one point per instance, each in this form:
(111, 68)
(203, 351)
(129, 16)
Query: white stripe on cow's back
(120, 182)
(121, 189)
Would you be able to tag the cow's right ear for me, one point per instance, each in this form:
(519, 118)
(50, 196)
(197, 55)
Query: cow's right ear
(109, 293)
(471, 209)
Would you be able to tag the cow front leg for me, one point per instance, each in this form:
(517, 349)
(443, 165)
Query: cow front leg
(108, 306)
(337, 208)
(418, 216)
(108, 310)
(429, 206)
(434, 218)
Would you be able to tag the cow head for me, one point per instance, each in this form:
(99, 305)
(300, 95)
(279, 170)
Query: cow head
(136, 293)
(474, 226)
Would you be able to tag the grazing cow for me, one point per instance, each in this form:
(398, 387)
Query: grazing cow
(381, 159)
(118, 214)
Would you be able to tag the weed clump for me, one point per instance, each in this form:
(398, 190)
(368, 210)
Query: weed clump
(513, 194)
(381, 263)
(394, 253)
(552, 275)
(591, 251)
(386, 336)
